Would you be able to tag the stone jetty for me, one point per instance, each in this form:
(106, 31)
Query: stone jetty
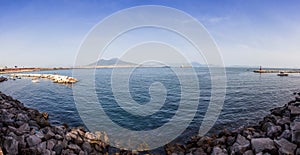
(277, 71)
(27, 131)
(55, 78)
(278, 133)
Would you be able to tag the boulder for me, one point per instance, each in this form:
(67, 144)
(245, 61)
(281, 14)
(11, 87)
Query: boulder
(218, 151)
(74, 147)
(249, 152)
(58, 148)
(86, 147)
(283, 121)
(263, 145)
(294, 110)
(50, 144)
(10, 146)
(287, 134)
(241, 145)
(23, 129)
(295, 127)
(41, 147)
(285, 147)
(33, 140)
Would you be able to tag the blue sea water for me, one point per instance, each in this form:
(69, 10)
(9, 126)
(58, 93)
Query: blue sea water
(249, 96)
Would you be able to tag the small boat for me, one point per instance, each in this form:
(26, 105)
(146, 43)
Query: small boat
(283, 74)
(35, 80)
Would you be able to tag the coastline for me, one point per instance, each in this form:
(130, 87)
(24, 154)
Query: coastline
(21, 70)
(27, 131)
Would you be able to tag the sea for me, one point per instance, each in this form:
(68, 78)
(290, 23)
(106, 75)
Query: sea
(248, 97)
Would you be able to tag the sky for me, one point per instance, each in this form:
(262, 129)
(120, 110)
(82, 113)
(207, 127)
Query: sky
(248, 33)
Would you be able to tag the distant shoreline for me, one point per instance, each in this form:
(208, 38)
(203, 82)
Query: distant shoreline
(19, 70)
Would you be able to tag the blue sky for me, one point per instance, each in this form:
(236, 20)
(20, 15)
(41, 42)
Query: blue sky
(250, 33)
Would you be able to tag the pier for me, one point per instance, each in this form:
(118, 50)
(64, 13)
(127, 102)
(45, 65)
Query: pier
(276, 71)
(55, 78)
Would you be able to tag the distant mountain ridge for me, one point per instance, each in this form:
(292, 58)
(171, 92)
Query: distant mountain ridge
(121, 63)
(111, 62)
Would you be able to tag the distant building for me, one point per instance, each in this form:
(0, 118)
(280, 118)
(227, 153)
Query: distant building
(2, 68)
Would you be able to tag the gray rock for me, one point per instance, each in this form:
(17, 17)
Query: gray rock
(58, 148)
(21, 141)
(23, 129)
(33, 140)
(273, 131)
(262, 145)
(287, 134)
(58, 137)
(86, 147)
(41, 147)
(285, 147)
(283, 121)
(295, 127)
(49, 135)
(81, 153)
(298, 151)
(50, 144)
(218, 151)
(241, 145)
(10, 146)
(40, 134)
(249, 152)
(74, 147)
(47, 152)
(22, 117)
(294, 110)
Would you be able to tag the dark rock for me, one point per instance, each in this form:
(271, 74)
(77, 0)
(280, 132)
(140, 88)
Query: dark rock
(74, 147)
(230, 140)
(295, 127)
(285, 147)
(262, 145)
(86, 147)
(22, 117)
(277, 111)
(286, 134)
(283, 121)
(50, 144)
(241, 145)
(298, 151)
(58, 148)
(271, 129)
(58, 137)
(49, 135)
(23, 129)
(41, 147)
(33, 140)
(294, 110)
(10, 146)
(249, 152)
(218, 151)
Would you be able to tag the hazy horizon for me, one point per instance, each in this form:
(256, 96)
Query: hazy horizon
(248, 33)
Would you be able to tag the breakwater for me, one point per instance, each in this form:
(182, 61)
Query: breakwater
(55, 78)
(277, 133)
(26, 131)
(277, 71)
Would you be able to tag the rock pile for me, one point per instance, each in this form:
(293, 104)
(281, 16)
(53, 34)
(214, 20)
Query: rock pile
(277, 133)
(27, 131)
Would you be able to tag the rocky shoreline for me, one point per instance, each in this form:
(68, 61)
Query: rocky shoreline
(26, 131)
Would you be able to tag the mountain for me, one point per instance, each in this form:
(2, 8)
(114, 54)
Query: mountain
(111, 62)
